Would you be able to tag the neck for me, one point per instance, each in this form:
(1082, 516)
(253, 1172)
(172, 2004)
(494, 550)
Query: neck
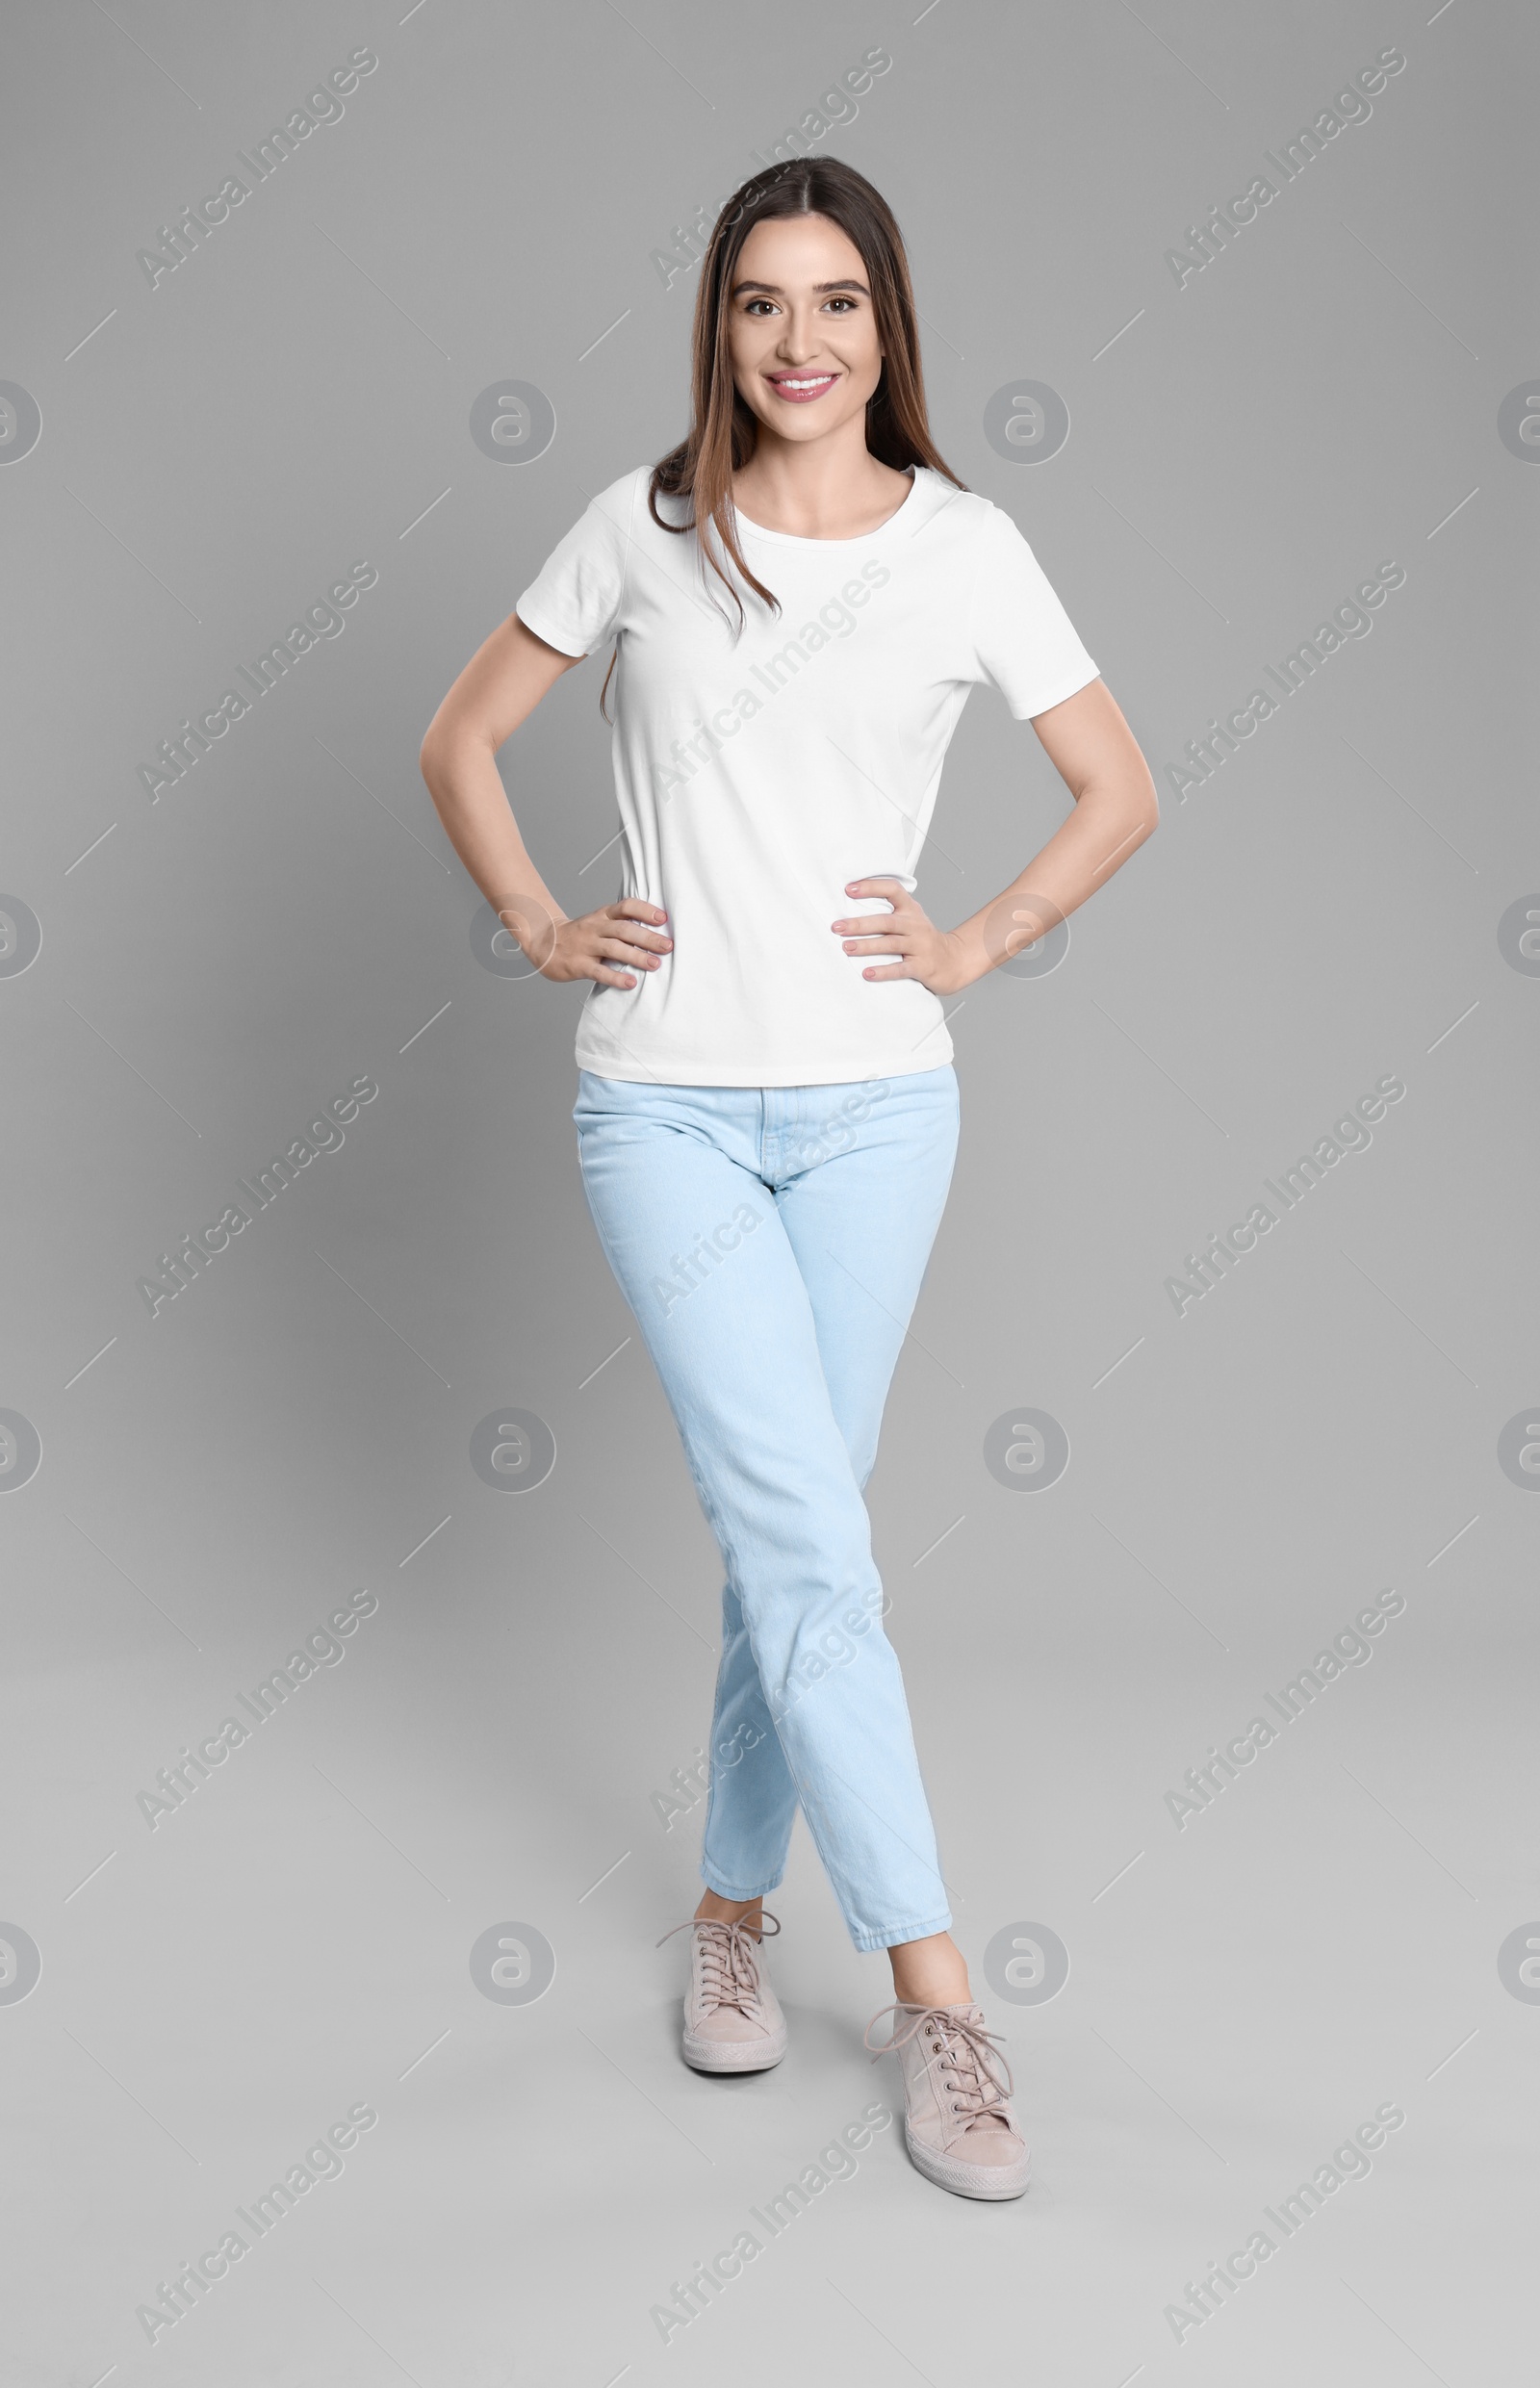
(818, 489)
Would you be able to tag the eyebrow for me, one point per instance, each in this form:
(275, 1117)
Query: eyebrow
(775, 291)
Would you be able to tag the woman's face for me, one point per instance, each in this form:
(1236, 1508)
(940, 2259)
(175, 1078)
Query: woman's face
(802, 329)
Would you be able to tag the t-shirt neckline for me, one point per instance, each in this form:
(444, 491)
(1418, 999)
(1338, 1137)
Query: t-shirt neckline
(795, 539)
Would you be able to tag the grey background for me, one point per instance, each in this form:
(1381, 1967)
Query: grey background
(215, 1993)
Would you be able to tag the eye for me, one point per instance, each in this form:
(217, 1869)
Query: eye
(841, 302)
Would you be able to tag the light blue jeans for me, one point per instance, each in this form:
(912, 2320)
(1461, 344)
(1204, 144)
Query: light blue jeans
(771, 1242)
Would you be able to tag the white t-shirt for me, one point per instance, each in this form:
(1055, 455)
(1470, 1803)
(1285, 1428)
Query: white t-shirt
(758, 773)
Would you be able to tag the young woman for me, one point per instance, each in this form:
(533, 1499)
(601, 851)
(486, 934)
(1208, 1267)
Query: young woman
(800, 598)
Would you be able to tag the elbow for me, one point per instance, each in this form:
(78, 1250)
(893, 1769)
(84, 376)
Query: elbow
(457, 736)
(1148, 804)
(431, 752)
(1123, 791)
(1133, 809)
(443, 741)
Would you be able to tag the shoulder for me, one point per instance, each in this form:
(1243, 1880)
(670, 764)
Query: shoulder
(972, 521)
(623, 504)
(629, 491)
(992, 545)
(614, 519)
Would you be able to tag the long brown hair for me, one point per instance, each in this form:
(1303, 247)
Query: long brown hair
(723, 429)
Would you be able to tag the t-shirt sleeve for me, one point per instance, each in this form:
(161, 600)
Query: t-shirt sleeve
(575, 601)
(1020, 637)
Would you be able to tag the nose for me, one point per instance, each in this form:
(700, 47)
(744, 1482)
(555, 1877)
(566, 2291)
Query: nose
(801, 338)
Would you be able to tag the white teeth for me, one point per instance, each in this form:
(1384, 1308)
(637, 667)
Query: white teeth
(816, 382)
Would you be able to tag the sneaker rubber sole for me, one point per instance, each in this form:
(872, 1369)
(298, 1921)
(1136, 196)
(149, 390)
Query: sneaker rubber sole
(734, 2056)
(970, 2180)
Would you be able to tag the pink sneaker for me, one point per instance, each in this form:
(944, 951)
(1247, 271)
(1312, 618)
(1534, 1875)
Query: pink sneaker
(958, 2122)
(732, 2018)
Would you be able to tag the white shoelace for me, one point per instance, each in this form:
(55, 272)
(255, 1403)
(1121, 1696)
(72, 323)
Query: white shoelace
(729, 1959)
(964, 2058)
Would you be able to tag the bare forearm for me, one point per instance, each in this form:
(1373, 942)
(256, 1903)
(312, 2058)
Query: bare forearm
(499, 688)
(463, 779)
(1109, 823)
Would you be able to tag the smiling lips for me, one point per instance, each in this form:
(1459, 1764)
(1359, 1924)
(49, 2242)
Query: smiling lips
(800, 388)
